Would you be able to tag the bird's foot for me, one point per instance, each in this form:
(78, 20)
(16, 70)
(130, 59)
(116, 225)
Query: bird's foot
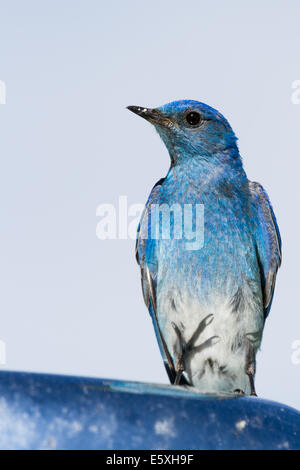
(250, 366)
(184, 348)
(239, 391)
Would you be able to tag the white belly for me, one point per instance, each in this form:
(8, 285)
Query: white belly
(220, 366)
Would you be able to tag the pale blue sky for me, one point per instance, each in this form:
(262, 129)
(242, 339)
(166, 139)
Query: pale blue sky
(69, 302)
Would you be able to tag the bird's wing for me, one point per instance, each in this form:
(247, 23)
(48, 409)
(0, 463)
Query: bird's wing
(268, 243)
(146, 256)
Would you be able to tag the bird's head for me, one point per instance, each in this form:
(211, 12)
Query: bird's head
(189, 128)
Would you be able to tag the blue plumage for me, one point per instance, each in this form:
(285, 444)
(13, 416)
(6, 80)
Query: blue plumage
(208, 301)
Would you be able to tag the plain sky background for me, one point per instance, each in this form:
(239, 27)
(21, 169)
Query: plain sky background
(69, 302)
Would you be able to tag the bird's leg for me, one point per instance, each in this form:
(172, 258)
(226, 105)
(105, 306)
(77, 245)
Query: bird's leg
(250, 365)
(184, 348)
(179, 366)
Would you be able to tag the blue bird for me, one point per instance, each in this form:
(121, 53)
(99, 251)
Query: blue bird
(208, 302)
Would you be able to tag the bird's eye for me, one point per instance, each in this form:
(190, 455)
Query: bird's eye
(193, 118)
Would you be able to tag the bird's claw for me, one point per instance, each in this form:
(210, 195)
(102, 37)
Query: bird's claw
(187, 347)
(239, 391)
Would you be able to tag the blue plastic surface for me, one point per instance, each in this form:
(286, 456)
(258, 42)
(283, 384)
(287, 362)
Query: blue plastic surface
(39, 411)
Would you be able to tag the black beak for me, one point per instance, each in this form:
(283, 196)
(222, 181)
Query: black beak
(152, 115)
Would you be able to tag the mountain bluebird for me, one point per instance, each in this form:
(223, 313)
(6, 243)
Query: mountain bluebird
(208, 302)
